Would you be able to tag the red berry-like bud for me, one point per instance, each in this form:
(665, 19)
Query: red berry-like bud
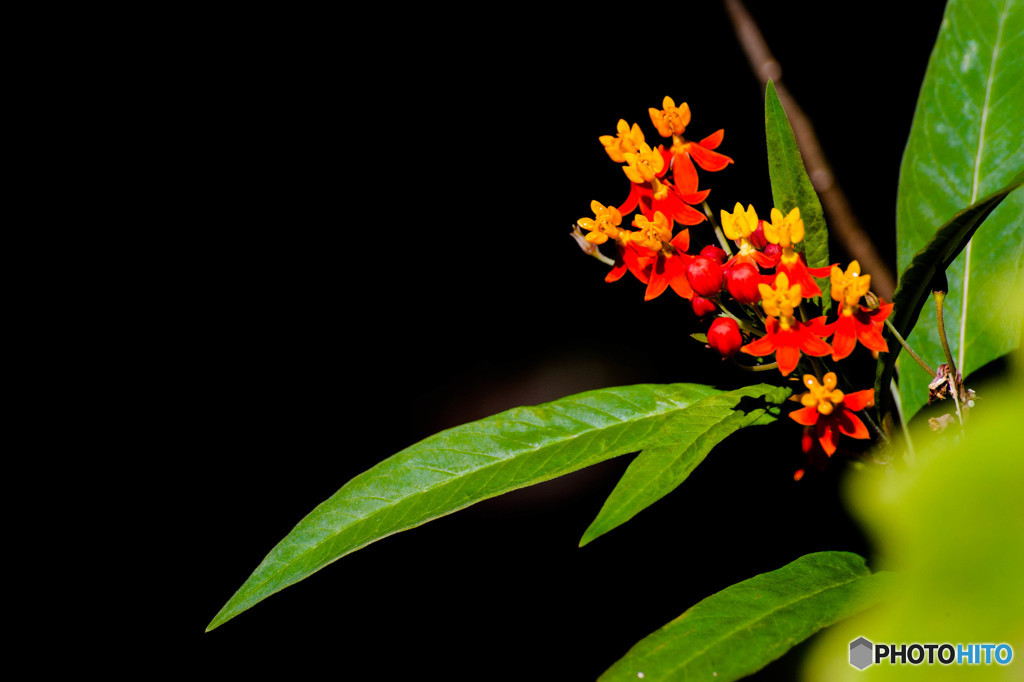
(714, 253)
(757, 238)
(773, 250)
(724, 336)
(701, 306)
(704, 275)
(742, 283)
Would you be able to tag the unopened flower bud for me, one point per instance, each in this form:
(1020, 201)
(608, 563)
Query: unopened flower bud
(757, 238)
(714, 253)
(704, 275)
(773, 250)
(742, 283)
(724, 336)
(701, 306)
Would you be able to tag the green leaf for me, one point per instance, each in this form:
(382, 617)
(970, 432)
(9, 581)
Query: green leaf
(792, 188)
(966, 142)
(659, 470)
(746, 626)
(464, 465)
(915, 289)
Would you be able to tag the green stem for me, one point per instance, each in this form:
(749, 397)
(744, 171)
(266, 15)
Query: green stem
(743, 324)
(906, 347)
(911, 456)
(755, 368)
(723, 242)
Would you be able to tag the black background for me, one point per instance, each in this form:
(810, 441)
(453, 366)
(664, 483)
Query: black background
(367, 224)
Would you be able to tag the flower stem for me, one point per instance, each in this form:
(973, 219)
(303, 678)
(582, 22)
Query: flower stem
(743, 324)
(722, 241)
(755, 368)
(940, 297)
(906, 346)
(910, 457)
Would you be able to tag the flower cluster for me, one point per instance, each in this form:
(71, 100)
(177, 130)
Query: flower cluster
(746, 277)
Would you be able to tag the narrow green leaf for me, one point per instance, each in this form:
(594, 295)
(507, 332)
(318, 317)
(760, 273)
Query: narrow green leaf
(966, 142)
(464, 465)
(914, 289)
(746, 626)
(791, 186)
(659, 470)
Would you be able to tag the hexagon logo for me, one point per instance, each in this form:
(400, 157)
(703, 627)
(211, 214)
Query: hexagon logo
(861, 653)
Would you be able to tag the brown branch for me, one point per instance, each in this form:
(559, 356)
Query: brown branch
(845, 226)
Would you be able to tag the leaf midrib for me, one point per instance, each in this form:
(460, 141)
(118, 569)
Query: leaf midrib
(976, 182)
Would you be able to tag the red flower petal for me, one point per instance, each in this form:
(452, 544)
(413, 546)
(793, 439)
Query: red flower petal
(713, 140)
(851, 425)
(681, 242)
(858, 400)
(798, 273)
(707, 159)
(695, 197)
(811, 344)
(760, 348)
(684, 174)
(616, 273)
(827, 435)
(669, 271)
(824, 272)
(845, 338)
(787, 357)
(808, 416)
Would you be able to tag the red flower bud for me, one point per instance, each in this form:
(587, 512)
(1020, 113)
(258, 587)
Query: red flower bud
(724, 336)
(773, 250)
(742, 283)
(714, 253)
(701, 306)
(757, 238)
(704, 276)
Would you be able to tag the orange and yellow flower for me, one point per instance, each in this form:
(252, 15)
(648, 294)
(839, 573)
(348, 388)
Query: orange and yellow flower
(785, 336)
(856, 322)
(604, 224)
(665, 256)
(650, 192)
(739, 226)
(831, 412)
(787, 231)
(671, 121)
(626, 141)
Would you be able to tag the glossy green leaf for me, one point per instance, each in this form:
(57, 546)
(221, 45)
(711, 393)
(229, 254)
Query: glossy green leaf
(746, 626)
(791, 186)
(657, 471)
(966, 142)
(915, 287)
(466, 464)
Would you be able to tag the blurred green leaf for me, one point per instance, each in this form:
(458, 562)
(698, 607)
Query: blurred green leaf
(744, 627)
(952, 527)
(966, 142)
(792, 188)
(466, 464)
(657, 471)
